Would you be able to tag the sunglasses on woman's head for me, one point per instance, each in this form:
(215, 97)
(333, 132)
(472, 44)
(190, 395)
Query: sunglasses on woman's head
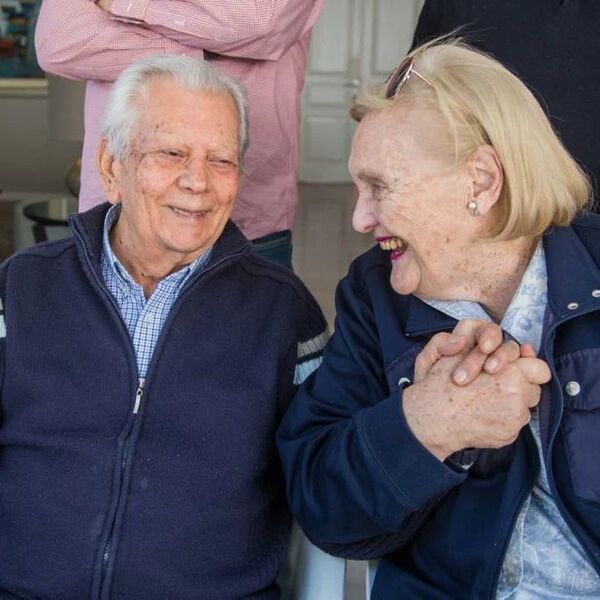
(400, 75)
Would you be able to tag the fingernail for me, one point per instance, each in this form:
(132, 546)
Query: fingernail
(487, 346)
(460, 376)
(492, 364)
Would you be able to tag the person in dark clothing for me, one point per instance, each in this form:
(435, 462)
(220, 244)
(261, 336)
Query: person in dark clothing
(552, 45)
(145, 364)
(488, 488)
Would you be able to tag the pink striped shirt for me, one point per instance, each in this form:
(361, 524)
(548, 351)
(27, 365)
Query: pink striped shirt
(263, 43)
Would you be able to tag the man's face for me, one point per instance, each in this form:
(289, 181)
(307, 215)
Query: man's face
(178, 181)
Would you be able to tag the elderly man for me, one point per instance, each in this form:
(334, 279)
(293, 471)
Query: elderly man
(146, 363)
(262, 43)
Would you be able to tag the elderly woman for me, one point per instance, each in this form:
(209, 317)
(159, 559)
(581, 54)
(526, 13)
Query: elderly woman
(408, 445)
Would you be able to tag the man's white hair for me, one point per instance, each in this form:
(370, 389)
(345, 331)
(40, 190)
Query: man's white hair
(123, 108)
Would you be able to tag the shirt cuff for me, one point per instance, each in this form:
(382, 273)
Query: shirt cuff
(408, 467)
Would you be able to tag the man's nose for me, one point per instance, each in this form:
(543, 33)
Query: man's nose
(363, 217)
(195, 176)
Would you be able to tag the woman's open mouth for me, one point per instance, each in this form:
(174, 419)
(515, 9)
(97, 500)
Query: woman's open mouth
(394, 245)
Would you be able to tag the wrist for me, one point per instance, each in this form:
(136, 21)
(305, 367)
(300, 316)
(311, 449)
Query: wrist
(422, 426)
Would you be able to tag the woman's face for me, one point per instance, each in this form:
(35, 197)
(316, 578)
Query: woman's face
(412, 197)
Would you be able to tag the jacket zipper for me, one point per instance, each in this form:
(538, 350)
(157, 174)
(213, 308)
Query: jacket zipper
(107, 553)
(138, 395)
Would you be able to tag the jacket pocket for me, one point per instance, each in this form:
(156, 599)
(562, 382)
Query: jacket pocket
(579, 374)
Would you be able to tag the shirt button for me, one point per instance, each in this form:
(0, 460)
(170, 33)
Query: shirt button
(596, 293)
(403, 381)
(572, 305)
(572, 388)
(149, 318)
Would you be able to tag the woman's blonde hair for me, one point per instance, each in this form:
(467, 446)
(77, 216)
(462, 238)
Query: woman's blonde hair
(484, 103)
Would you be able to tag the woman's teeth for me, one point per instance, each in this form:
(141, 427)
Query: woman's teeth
(392, 244)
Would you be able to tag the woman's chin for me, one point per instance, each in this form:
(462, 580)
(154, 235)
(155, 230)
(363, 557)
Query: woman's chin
(404, 279)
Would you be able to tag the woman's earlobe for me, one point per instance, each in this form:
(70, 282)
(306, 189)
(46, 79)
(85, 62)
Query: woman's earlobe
(487, 178)
(473, 208)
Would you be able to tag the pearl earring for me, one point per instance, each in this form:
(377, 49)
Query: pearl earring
(473, 208)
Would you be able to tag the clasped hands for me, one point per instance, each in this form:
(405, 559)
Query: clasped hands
(472, 390)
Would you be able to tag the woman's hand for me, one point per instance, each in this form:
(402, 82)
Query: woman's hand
(480, 343)
(485, 409)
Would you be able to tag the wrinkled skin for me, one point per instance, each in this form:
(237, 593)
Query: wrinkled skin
(177, 181)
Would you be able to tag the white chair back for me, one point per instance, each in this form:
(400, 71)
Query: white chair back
(311, 574)
(370, 577)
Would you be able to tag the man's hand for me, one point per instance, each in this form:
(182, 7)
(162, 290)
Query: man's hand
(105, 5)
(488, 409)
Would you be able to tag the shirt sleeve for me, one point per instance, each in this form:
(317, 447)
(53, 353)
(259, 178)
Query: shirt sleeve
(354, 470)
(78, 40)
(255, 29)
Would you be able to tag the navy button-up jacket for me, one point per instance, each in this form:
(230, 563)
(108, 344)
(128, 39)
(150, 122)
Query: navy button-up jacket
(362, 486)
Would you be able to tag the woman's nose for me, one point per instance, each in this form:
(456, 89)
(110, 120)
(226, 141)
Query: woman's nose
(363, 217)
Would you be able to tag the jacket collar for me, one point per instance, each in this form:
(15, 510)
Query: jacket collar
(88, 226)
(572, 273)
(572, 277)
(422, 319)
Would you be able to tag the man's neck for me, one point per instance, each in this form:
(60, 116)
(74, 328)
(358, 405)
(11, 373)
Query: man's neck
(146, 267)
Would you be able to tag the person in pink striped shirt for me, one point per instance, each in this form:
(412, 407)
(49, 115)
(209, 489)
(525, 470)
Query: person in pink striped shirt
(262, 43)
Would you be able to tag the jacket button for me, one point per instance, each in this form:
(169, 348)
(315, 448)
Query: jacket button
(572, 305)
(403, 381)
(572, 388)
(596, 293)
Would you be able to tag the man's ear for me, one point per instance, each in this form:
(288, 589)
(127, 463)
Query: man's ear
(487, 177)
(108, 167)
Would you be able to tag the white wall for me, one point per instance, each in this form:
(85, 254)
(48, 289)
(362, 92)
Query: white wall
(29, 160)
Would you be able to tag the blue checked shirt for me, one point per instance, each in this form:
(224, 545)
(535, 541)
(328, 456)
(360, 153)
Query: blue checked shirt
(144, 318)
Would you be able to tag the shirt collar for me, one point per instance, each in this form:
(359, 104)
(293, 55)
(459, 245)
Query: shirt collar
(178, 278)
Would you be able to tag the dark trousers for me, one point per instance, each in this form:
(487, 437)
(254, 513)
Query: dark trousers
(276, 247)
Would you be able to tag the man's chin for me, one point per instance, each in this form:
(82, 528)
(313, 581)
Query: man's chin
(189, 248)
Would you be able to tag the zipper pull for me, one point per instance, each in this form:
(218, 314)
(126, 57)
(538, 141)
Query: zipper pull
(138, 395)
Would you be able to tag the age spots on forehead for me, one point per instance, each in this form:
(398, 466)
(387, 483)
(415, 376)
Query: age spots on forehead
(161, 128)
